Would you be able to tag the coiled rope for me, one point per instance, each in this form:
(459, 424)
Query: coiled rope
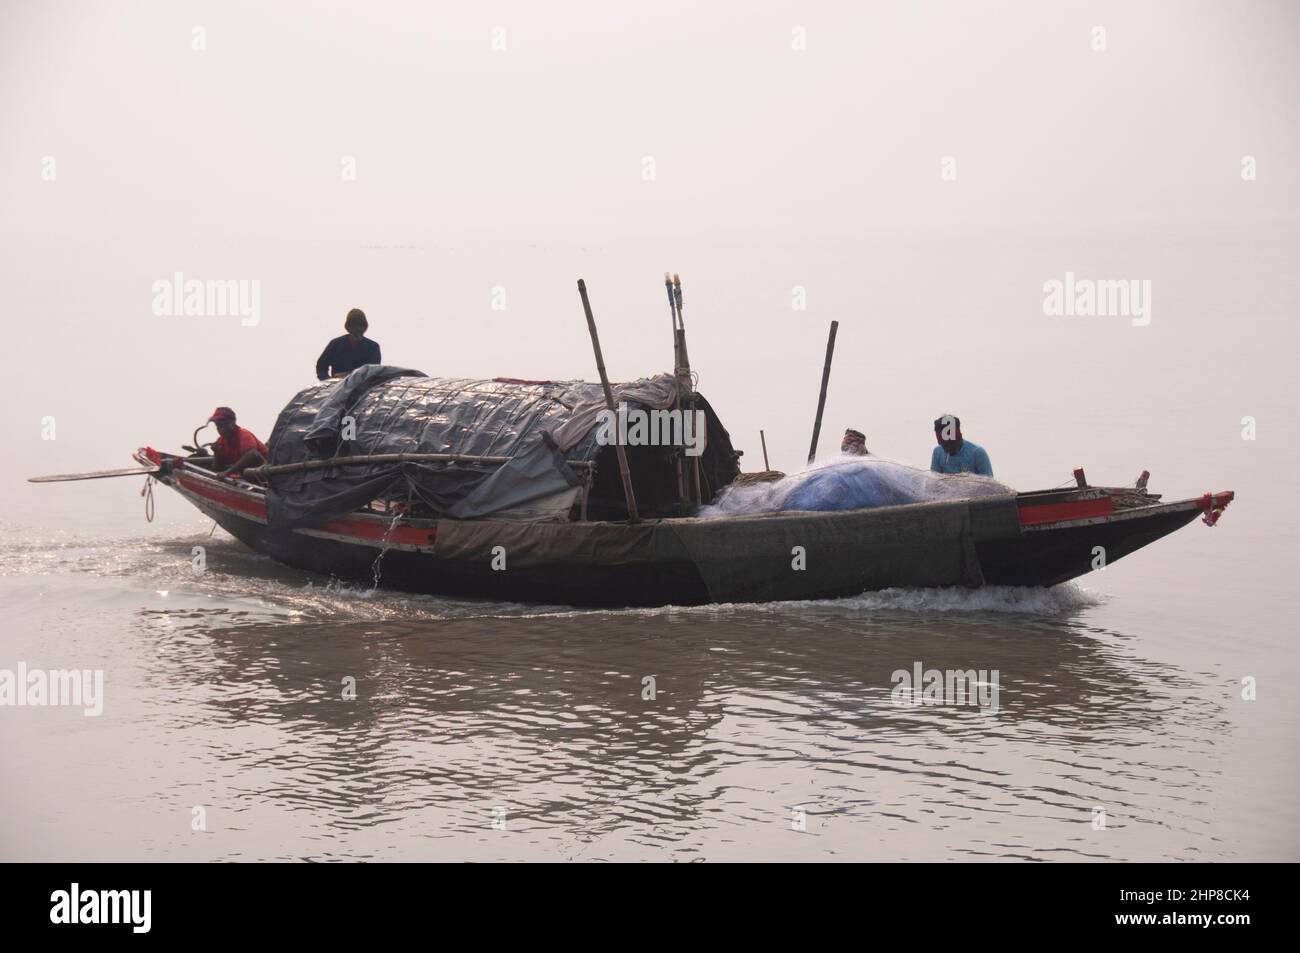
(147, 493)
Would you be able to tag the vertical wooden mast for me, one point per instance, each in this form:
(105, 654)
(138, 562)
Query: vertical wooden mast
(623, 470)
(821, 398)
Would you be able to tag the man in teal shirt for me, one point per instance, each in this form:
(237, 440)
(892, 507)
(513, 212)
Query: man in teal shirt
(955, 454)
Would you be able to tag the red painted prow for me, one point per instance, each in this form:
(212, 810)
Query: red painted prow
(1213, 505)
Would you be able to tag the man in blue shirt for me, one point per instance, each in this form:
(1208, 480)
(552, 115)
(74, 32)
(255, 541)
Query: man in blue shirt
(345, 354)
(955, 454)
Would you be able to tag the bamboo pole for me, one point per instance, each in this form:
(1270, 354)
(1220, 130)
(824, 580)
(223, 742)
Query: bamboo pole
(679, 466)
(685, 377)
(680, 327)
(365, 460)
(764, 440)
(821, 398)
(623, 470)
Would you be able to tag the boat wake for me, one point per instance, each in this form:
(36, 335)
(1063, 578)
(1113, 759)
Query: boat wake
(265, 590)
(953, 600)
(1018, 600)
(253, 587)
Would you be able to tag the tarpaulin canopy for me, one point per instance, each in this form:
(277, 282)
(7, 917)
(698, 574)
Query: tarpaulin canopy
(379, 409)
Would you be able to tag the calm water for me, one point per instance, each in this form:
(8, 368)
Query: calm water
(509, 732)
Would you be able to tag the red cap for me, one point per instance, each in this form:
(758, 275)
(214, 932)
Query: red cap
(220, 414)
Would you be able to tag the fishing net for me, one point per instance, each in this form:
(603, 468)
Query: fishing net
(852, 483)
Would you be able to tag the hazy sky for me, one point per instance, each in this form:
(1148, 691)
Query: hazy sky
(394, 157)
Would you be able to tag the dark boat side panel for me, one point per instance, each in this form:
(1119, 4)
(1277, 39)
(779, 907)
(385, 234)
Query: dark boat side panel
(696, 562)
(677, 583)
(1051, 556)
(686, 562)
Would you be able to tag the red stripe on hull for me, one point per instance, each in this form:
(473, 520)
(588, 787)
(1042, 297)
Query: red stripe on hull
(230, 497)
(1060, 512)
(361, 528)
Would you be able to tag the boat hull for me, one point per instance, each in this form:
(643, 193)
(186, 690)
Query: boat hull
(1049, 557)
(774, 557)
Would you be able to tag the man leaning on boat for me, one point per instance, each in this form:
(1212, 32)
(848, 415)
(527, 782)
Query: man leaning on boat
(236, 449)
(955, 454)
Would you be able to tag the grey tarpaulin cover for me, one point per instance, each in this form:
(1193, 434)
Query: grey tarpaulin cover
(539, 425)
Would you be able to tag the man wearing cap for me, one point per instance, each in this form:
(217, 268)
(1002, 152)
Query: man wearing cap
(956, 454)
(854, 443)
(236, 448)
(345, 354)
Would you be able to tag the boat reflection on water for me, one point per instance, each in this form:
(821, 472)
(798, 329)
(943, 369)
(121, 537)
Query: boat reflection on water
(698, 733)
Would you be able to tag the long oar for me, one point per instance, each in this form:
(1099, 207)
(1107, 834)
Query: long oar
(97, 475)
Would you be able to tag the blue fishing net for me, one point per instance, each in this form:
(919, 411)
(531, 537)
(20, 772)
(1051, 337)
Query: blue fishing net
(851, 483)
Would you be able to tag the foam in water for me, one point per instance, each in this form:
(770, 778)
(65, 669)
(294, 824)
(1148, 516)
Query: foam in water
(1025, 600)
(1013, 600)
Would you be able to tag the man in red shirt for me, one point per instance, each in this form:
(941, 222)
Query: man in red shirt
(236, 448)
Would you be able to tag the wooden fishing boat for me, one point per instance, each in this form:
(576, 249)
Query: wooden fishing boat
(1028, 539)
(507, 489)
